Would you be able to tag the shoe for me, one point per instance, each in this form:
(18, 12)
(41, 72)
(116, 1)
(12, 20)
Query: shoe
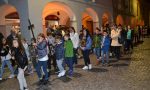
(11, 76)
(70, 73)
(26, 88)
(45, 82)
(1, 79)
(85, 68)
(90, 66)
(61, 73)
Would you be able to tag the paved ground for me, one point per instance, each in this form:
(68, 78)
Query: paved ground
(132, 72)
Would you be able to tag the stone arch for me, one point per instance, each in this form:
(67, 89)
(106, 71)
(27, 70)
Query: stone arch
(119, 20)
(106, 18)
(90, 19)
(62, 11)
(9, 19)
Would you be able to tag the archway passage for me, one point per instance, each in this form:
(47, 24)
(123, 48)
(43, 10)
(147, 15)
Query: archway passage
(9, 19)
(119, 20)
(90, 20)
(60, 14)
(105, 19)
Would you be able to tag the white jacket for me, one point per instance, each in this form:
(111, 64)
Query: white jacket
(75, 39)
(114, 36)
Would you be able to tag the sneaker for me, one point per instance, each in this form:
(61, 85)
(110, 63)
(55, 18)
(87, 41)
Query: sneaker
(61, 73)
(26, 88)
(90, 66)
(11, 76)
(1, 79)
(85, 68)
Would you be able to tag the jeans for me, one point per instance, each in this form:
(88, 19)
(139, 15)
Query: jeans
(42, 65)
(97, 52)
(106, 53)
(60, 65)
(69, 62)
(129, 44)
(75, 61)
(116, 50)
(9, 66)
(52, 59)
(34, 61)
(21, 79)
(86, 54)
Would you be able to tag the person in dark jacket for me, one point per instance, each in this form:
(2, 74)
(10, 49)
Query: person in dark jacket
(21, 59)
(5, 57)
(59, 52)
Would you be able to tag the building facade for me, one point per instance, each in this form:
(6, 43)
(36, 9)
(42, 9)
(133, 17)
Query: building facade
(42, 13)
(131, 12)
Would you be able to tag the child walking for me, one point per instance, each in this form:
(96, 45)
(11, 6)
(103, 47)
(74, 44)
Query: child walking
(105, 44)
(42, 59)
(5, 57)
(59, 52)
(68, 45)
(22, 62)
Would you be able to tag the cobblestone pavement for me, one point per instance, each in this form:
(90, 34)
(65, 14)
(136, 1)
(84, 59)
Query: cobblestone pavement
(132, 72)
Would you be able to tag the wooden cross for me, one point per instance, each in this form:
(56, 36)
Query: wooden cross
(30, 27)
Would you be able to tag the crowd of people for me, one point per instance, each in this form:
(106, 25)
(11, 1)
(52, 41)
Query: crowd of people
(60, 48)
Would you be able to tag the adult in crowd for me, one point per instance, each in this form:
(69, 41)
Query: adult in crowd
(115, 34)
(86, 45)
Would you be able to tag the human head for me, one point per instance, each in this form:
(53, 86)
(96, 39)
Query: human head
(105, 33)
(66, 37)
(4, 41)
(72, 30)
(58, 39)
(41, 37)
(18, 44)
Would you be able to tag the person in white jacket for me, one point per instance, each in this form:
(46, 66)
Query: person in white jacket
(115, 34)
(75, 40)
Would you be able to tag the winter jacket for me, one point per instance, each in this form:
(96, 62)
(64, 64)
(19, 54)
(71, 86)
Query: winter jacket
(105, 43)
(68, 48)
(21, 58)
(75, 39)
(5, 53)
(96, 41)
(42, 49)
(88, 43)
(59, 51)
(114, 36)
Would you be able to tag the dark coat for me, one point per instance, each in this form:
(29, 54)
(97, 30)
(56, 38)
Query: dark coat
(59, 51)
(21, 58)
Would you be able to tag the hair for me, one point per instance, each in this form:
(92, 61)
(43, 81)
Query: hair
(20, 45)
(73, 29)
(2, 42)
(105, 31)
(87, 33)
(41, 35)
(58, 37)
